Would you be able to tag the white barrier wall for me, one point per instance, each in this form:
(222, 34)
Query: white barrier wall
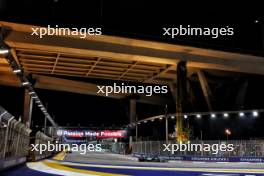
(14, 140)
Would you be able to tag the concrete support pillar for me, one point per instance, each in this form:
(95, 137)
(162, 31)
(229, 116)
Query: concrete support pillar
(132, 111)
(132, 119)
(133, 116)
(205, 88)
(173, 89)
(241, 94)
(181, 97)
(166, 130)
(27, 113)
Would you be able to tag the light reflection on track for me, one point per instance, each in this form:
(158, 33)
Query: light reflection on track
(106, 164)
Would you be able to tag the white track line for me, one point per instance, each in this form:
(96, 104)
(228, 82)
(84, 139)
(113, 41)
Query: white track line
(40, 167)
(214, 170)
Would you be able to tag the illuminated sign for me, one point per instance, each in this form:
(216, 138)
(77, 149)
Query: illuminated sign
(93, 133)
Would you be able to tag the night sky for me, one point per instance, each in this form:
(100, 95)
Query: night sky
(144, 20)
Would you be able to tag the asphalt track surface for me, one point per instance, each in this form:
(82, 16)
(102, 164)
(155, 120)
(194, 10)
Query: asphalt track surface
(107, 164)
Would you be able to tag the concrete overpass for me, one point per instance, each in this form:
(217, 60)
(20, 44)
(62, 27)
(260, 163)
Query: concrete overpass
(118, 58)
(115, 58)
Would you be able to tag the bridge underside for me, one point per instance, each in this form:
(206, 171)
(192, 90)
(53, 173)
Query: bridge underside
(56, 61)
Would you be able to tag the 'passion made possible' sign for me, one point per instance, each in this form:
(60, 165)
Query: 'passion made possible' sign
(93, 133)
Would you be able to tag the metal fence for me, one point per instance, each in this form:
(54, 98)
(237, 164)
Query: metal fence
(241, 148)
(119, 147)
(14, 136)
(40, 138)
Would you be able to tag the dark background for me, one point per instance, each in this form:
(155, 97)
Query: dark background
(145, 20)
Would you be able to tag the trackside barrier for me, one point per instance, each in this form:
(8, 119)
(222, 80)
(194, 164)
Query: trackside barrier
(43, 139)
(244, 151)
(119, 147)
(14, 140)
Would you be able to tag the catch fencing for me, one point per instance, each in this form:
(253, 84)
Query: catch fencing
(241, 148)
(14, 136)
(14, 140)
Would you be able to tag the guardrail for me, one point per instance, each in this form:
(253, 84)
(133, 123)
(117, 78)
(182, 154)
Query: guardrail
(252, 150)
(14, 140)
(119, 147)
(40, 138)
